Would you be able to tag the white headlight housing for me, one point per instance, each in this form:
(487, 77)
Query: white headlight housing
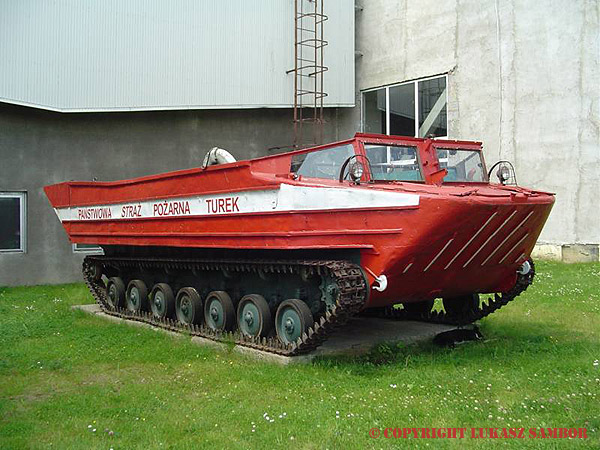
(503, 174)
(356, 171)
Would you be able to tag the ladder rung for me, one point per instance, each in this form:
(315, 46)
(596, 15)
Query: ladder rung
(311, 14)
(313, 45)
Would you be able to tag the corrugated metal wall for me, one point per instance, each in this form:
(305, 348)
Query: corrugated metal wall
(104, 55)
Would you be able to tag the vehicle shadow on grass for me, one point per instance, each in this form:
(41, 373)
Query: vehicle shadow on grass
(508, 344)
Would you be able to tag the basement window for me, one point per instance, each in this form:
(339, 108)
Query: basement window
(415, 108)
(13, 207)
(87, 248)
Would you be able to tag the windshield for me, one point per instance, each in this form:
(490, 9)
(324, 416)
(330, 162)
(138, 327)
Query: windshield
(394, 162)
(322, 163)
(462, 165)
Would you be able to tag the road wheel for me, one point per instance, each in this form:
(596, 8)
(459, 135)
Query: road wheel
(115, 293)
(188, 306)
(292, 319)
(137, 296)
(254, 316)
(463, 306)
(219, 313)
(162, 301)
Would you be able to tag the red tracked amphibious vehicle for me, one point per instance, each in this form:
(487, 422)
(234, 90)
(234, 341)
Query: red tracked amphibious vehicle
(276, 252)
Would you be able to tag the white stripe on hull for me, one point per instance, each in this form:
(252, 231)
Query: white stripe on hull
(499, 246)
(489, 239)
(438, 255)
(464, 247)
(286, 198)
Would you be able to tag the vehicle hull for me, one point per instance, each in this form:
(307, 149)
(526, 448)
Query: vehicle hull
(427, 241)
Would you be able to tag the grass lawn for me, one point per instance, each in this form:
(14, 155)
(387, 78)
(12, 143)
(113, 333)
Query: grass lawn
(64, 374)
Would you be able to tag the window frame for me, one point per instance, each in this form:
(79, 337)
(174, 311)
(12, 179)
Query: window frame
(418, 158)
(22, 196)
(416, 98)
(464, 147)
(349, 142)
(89, 251)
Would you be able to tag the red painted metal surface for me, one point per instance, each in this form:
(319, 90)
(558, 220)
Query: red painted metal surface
(430, 239)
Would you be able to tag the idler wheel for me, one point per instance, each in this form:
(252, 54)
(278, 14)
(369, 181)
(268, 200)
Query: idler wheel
(418, 308)
(137, 296)
(162, 301)
(461, 306)
(188, 306)
(292, 319)
(115, 293)
(254, 316)
(219, 313)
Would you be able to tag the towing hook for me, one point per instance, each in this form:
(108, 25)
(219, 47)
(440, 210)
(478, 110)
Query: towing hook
(382, 280)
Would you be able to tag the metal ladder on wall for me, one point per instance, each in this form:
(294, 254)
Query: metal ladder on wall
(308, 72)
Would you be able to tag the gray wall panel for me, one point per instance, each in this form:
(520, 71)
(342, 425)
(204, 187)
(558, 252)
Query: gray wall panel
(104, 55)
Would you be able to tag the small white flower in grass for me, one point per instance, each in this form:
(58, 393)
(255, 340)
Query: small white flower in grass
(272, 420)
(393, 386)
(284, 414)
(89, 426)
(93, 430)
(596, 362)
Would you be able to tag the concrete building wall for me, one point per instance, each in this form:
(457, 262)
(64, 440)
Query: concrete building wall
(523, 77)
(41, 147)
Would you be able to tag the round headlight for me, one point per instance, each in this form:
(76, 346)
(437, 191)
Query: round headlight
(503, 174)
(356, 171)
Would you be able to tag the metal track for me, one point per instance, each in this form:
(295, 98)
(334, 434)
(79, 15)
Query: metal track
(352, 296)
(485, 308)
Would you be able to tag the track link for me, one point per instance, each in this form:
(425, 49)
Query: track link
(441, 317)
(351, 284)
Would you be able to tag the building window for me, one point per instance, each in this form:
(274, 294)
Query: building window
(13, 226)
(87, 248)
(416, 108)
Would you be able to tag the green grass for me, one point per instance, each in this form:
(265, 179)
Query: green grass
(62, 371)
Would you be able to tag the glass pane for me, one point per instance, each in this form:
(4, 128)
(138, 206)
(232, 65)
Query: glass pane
(402, 110)
(10, 223)
(432, 108)
(392, 162)
(322, 163)
(462, 165)
(374, 112)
